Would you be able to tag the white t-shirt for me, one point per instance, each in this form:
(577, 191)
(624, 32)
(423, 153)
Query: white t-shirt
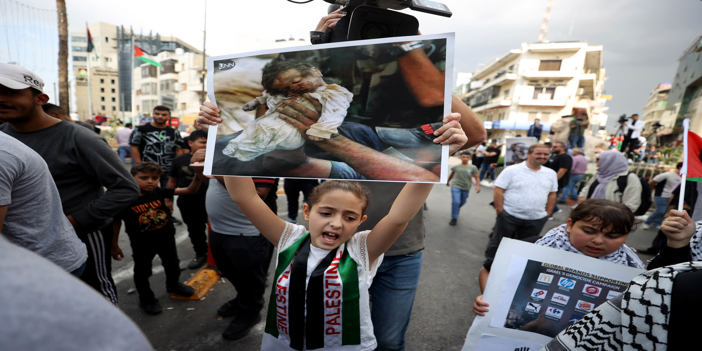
(526, 190)
(358, 251)
(672, 179)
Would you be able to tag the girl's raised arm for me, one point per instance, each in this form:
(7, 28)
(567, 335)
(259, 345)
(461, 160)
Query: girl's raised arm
(403, 209)
(243, 192)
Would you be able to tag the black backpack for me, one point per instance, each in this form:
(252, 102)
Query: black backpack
(621, 185)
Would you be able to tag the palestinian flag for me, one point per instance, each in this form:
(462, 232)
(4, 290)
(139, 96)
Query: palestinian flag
(91, 46)
(693, 164)
(138, 53)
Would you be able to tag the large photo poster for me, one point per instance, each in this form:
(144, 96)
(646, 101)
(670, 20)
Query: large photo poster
(536, 291)
(517, 148)
(352, 110)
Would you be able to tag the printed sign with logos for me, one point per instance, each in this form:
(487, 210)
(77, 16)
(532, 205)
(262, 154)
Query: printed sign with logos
(542, 290)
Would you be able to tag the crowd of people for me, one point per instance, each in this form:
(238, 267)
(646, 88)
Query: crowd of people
(359, 257)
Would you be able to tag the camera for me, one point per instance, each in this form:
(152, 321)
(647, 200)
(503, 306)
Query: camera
(371, 19)
(622, 119)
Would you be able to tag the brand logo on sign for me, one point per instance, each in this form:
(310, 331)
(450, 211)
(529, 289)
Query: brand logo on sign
(584, 306)
(532, 307)
(545, 278)
(560, 299)
(554, 313)
(565, 283)
(538, 294)
(592, 290)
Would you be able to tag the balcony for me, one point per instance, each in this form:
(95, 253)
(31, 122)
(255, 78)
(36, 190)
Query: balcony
(492, 104)
(534, 74)
(501, 80)
(542, 102)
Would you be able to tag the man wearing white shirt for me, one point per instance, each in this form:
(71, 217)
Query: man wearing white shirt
(633, 131)
(524, 197)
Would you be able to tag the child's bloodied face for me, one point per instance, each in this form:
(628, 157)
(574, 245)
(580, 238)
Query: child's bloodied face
(592, 240)
(334, 218)
(292, 82)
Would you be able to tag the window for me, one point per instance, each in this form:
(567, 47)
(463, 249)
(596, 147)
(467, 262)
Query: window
(107, 40)
(80, 58)
(148, 71)
(112, 90)
(79, 48)
(168, 66)
(114, 108)
(78, 40)
(112, 81)
(506, 93)
(102, 81)
(102, 90)
(102, 98)
(541, 93)
(550, 65)
(114, 100)
(102, 107)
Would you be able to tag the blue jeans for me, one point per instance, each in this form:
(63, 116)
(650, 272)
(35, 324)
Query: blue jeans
(392, 296)
(576, 140)
(123, 152)
(485, 167)
(458, 199)
(656, 218)
(571, 190)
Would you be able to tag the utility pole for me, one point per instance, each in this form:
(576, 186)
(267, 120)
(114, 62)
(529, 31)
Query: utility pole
(63, 54)
(544, 23)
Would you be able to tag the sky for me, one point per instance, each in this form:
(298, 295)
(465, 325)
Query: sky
(642, 39)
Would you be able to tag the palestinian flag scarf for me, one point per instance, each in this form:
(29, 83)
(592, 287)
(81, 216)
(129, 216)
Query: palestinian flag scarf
(323, 314)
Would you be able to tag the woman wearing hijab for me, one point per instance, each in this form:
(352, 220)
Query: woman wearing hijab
(610, 166)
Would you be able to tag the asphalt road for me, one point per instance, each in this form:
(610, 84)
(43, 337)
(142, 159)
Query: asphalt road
(442, 309)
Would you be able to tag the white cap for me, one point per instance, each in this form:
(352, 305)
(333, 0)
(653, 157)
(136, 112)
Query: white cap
(17, 77)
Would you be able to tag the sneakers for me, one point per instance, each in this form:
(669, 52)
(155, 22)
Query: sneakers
(153, 307)
(229, 309)
(181, 290)
(240, 326)
(197, 262)
(453, 221)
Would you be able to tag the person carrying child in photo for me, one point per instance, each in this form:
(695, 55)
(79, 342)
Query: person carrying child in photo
(320, 295)
(281, 80)
(597, 228)
(151, 232)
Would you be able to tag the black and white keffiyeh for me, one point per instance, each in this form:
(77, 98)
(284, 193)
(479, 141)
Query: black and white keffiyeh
(635, 320)
(696, 243)
(558, 238)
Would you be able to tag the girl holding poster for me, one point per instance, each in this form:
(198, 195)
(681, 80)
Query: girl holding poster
(320, 295)
(597, 228)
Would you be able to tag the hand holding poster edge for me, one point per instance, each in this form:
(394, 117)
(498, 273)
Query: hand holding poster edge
(497, 287)
(212, 132)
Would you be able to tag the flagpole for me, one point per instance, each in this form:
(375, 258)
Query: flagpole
(131, 79)
(683, 170)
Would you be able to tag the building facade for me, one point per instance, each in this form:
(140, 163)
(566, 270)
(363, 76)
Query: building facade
(103, 80)
(539, 80)
(685, 98)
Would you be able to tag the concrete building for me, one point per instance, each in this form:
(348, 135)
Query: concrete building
(177, 84)
(539, 80)
(109, 70)
(685, 98)
(656, 111)
(97, 70)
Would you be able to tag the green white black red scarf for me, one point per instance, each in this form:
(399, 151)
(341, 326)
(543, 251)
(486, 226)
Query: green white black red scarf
(323, 314)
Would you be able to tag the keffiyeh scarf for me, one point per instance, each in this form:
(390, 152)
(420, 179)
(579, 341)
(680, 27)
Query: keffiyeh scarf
(558, 238)
(635, 320)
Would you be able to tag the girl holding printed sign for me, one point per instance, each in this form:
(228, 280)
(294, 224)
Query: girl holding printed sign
(597, 228)
(319, 299)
